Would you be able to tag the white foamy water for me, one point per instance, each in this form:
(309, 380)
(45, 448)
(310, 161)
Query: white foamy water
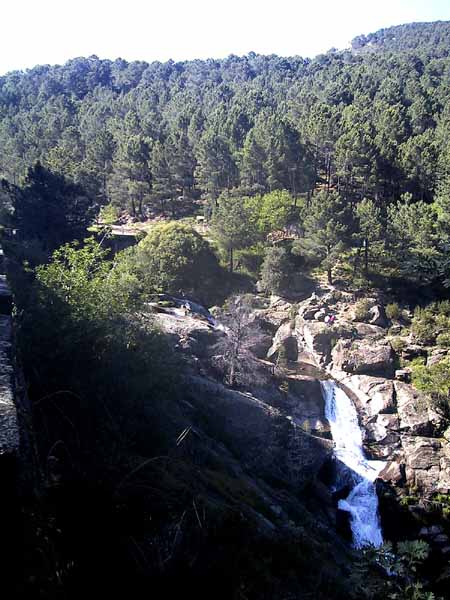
(354, 467)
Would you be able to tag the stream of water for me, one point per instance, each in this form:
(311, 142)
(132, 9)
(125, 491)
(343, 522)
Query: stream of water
(353, 469)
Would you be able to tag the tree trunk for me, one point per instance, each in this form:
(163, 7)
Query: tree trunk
(231, 259)
(357, 260)
(329, 267)
(328, 171)
(329, 276)
(104, 194)
(231, 376)
(366, 257)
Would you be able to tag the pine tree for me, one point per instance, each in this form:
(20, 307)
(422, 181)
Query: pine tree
(370, 232)
(232, 225)
(325, 231)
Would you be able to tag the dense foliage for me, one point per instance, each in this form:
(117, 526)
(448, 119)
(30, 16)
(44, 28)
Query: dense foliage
(175, 259)
(370, 123)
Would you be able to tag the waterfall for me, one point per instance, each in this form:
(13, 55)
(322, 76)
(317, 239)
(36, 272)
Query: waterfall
(353, 468)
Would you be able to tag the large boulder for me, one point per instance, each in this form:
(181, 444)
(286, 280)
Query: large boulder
(416, 416)
(374, 394)
(269, 445)
(368, 330)
(413, 351)
(383, 429)
(393, 472)
(317, 338)
(260, 333)
(378, 316)
(444, 464)
(284, 338)
(307, 403)
(436, 356)
(403, 375)
(423, 458)
(190, 334)
(364, 356)
(260, 346)
(278, 312)
(380, 392)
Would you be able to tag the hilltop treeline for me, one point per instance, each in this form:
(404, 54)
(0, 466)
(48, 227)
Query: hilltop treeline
(371, 124)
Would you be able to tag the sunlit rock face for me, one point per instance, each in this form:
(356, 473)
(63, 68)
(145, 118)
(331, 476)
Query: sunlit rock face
(364, 356)
(391, 411)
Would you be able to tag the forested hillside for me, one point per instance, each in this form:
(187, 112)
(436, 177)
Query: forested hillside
(373, 124)
(171, 448)
(366, 125)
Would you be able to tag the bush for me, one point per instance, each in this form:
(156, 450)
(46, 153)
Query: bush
(362, 284)
(423, 326)
(443, 340)
(251, 258)
(435, 381)
(398, 344)
(109, 214)
(432, 323)
(271, 211)
(393, 311)
(361, 310)
(276, 270)
(175, 259)
(442, 308)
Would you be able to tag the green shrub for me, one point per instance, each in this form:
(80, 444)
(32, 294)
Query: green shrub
(361, 311)
(431, 324)
(442, 308)
(443, 340)
(409, 500)
(418, 361)
(109, 214)
(434, 380)
(393, 311)
(423, 326)
(251, 258)
(362, 283)
(398, 344)
(276, 270)
(175, 259)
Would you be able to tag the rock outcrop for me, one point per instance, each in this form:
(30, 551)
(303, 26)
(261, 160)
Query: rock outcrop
(364, 356)
(278, 435)
(269, 443)
(284, 338)
(399, 425)
(416, 416)
(378, 316)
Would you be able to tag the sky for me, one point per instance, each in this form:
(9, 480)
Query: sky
(53, 31)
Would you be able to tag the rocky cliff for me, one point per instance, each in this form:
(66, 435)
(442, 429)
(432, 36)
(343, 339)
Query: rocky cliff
(274, 439)
(277, 428)
(401, 427)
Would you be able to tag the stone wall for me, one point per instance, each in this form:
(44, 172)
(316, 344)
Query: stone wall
(9, 437)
